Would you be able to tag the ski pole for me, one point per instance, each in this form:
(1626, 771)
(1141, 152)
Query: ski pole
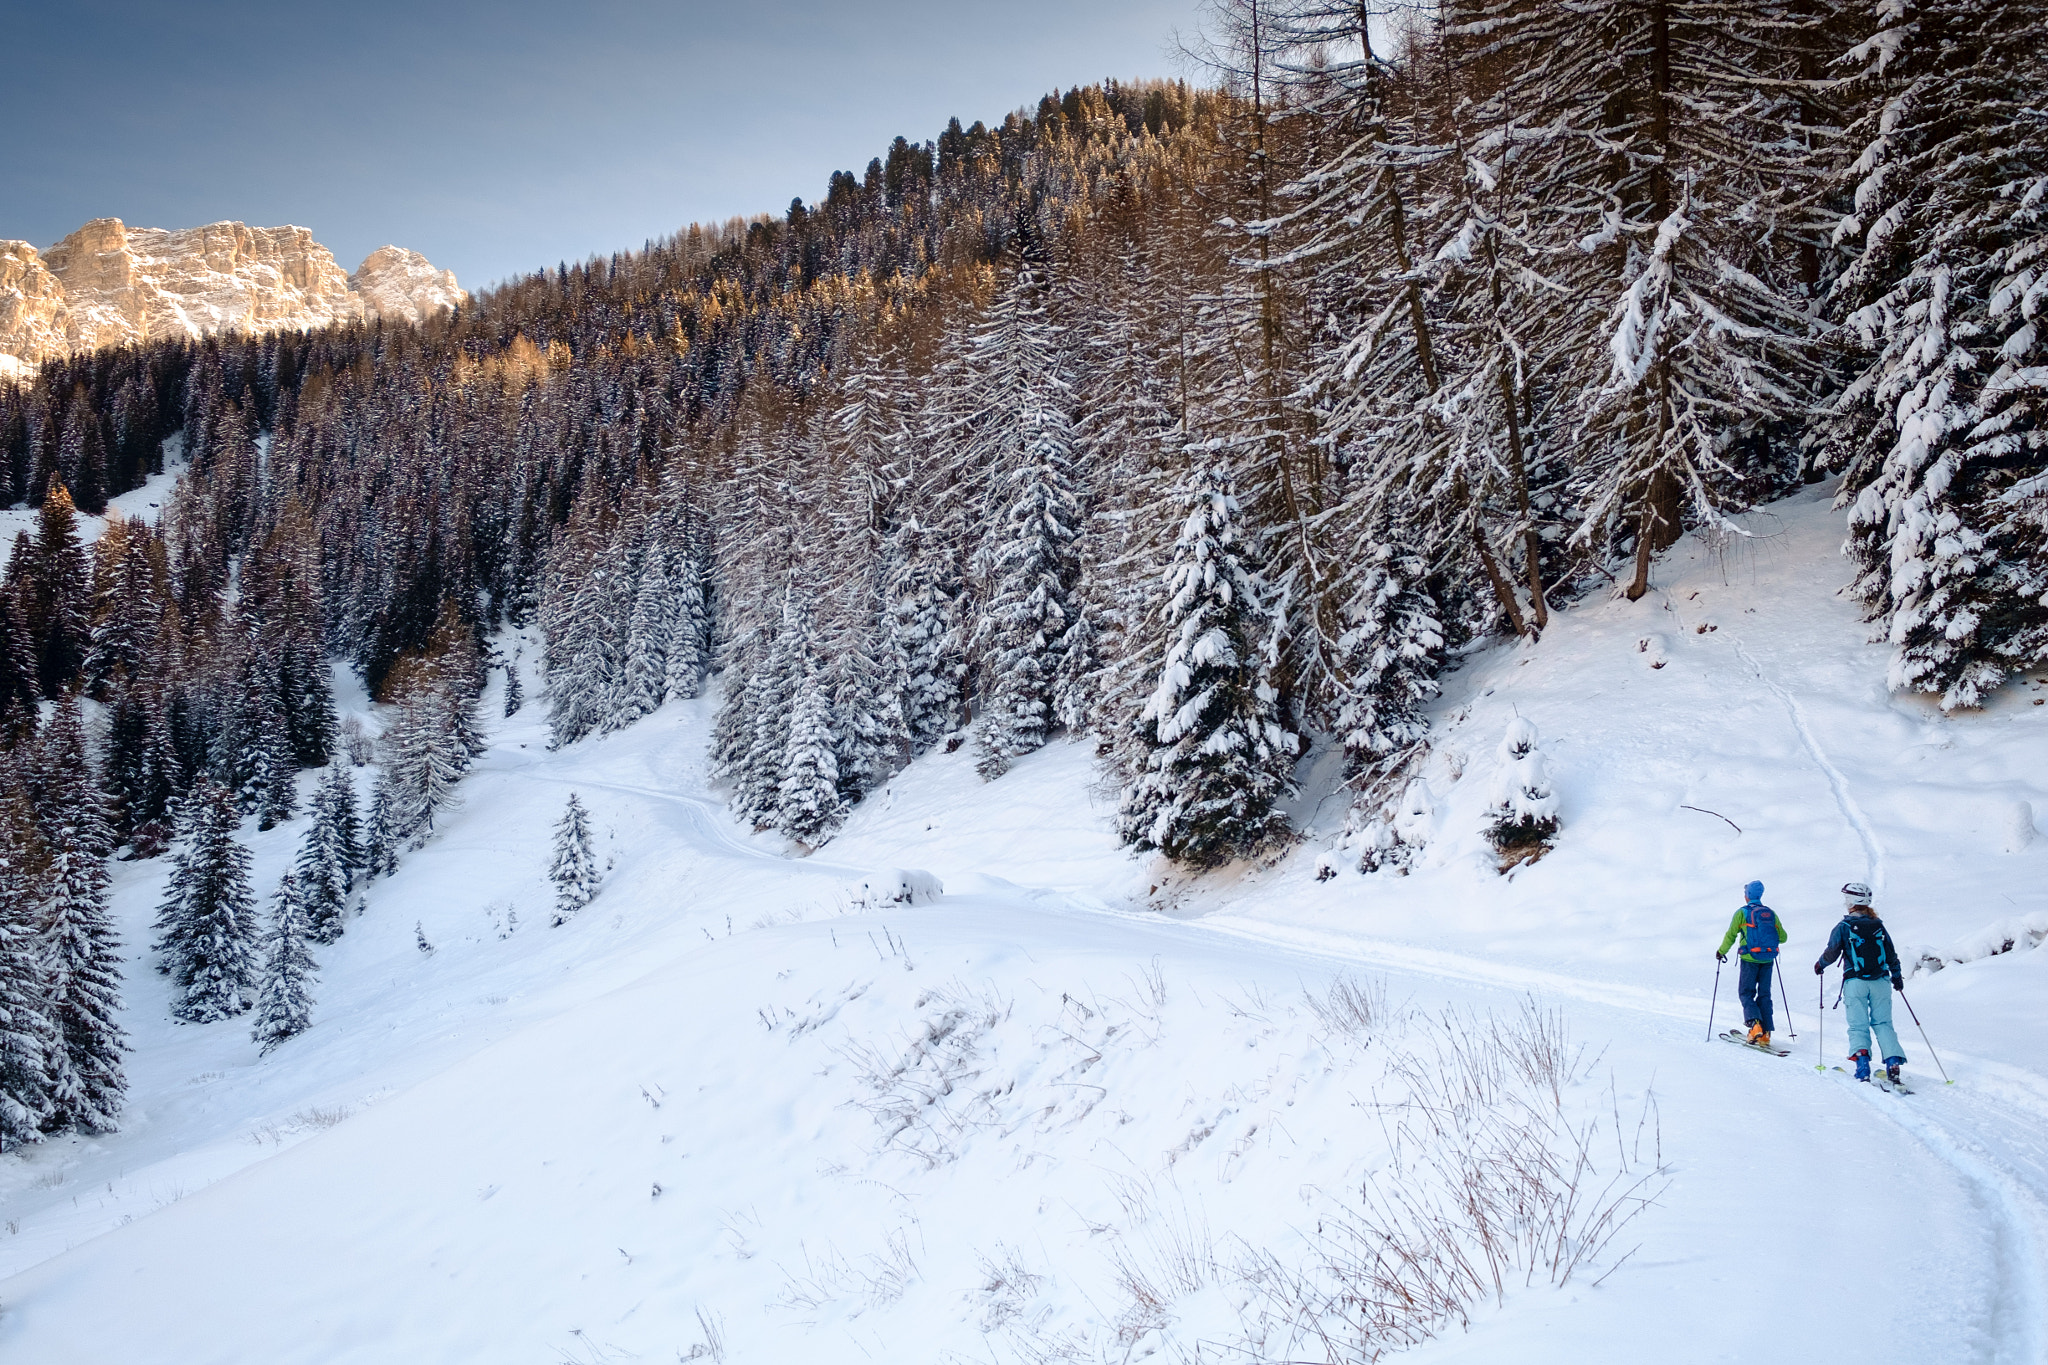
(1820, 1021)
(1717, 1000)
(1785, 994)
(1924, 1038)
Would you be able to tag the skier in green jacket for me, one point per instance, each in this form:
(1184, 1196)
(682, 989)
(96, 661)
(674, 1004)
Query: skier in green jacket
(1761, 931)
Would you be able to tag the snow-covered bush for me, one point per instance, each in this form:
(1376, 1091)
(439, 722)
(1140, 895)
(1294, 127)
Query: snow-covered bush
(1523, 816)
(2015, 933)
(903, 886)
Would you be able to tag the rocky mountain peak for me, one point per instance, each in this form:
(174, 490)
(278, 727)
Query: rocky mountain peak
(108, 284)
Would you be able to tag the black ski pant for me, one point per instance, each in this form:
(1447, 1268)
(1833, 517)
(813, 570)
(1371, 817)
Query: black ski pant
(1755, 990)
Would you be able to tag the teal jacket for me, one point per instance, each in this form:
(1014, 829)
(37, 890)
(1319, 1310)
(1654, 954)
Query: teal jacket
(1735, 932)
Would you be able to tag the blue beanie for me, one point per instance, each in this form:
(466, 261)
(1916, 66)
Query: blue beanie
(1755, 892)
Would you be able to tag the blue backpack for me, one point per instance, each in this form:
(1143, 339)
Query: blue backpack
(1760, 933)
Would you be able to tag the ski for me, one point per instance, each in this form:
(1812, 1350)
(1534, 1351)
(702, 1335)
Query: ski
(1742, 1040)
(1882, 1081)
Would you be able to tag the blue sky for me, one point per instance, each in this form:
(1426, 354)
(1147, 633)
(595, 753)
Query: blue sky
(498, 138)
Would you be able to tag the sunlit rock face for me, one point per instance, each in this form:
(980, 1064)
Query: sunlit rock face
(108, 284)
(31, 306)
(403, 286)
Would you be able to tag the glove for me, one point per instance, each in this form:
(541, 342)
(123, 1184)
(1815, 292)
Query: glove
(1898, 985)
(1720, 957)
(1818, 969)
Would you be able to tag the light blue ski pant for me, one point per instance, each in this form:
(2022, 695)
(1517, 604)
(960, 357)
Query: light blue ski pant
(1868, 1005)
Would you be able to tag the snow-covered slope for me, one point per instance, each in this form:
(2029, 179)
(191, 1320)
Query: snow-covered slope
(745, 1108)
(146, 502)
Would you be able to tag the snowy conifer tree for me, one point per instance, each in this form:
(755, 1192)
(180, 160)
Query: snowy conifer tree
(1939, 431)
(381, 833)
(808, 806)
(920, 621)
(319, 889)
(206, 926)
(334, 815)
(515, 694)
(684, 666)
(1215, 757)
(1392, 646)
(1032, 560)
(574, 869)
(772, 696)
(427, 751)
(82, 986)
(284, 1001)
(650, 635)
(29, 1039)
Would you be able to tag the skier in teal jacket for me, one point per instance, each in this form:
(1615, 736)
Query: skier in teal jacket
(1868, 958)
(1761, 931)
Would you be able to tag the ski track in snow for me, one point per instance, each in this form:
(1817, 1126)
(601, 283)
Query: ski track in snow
(2000, 1149)
(1873, 851)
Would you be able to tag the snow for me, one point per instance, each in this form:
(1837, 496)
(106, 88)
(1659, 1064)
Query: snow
(756, 1107)
(145, 501)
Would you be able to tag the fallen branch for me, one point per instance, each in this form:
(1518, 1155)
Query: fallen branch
(1716, 814)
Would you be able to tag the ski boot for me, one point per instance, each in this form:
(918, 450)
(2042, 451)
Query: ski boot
(1862, 1059)
(1891, 1068)
(1763, 1037)
(1756, 1033)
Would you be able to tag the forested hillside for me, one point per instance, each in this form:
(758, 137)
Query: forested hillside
(1203, 420)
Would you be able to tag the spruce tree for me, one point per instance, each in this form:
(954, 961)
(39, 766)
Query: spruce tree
(381, 833)
(650, 635)
(921, 624)
(515, 694)
(320, 888)
(683, 665)
(82, 984)
(284, 1001)
(57, 605)
(808, 806)
(573, 869)
(1391, 649)
(29, 1040)
(19, 689)
(206, 925)
(772, 696)
(1215, 757)
(1024, 443)
(1938, 431)
(341, 829)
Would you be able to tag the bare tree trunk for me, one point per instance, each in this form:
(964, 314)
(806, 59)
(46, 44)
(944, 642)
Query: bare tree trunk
(1502, 589)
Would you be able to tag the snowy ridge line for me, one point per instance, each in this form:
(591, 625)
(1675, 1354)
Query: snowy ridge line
(1873, 851)
(1444, 965)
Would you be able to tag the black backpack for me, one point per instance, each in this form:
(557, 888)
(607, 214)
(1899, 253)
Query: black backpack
(1866, 948)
